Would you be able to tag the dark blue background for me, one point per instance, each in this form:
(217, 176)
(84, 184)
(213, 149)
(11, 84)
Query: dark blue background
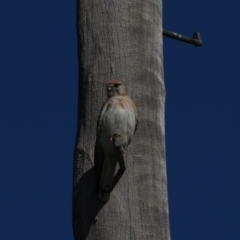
(38, 100)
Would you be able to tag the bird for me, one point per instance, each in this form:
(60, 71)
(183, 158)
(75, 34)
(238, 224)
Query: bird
(116, 126)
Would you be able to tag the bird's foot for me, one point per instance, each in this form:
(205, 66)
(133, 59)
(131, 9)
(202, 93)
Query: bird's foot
(122, 150)
(114, 136)
(117, 142)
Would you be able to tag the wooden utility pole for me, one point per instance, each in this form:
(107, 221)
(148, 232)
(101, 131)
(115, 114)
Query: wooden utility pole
(121, 40)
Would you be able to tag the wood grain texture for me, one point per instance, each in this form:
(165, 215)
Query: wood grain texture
(121, 40)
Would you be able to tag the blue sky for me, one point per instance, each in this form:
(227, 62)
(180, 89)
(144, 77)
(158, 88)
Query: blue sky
(38, 102)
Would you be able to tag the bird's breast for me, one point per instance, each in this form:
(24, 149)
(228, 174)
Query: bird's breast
(119, 118)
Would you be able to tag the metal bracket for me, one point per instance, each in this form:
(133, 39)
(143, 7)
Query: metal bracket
(195, 40)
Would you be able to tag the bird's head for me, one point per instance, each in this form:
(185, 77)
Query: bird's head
(116, 88)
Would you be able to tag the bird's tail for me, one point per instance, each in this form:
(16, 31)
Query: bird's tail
(107, 176)
(111, 158)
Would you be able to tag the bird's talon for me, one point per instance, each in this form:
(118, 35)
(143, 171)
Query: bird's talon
(114, 135)
(122, 150)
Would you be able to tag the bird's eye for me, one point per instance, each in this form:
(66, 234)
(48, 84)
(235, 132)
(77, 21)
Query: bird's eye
(109, 89)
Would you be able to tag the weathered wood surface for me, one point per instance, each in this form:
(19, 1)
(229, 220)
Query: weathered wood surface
(121, 40)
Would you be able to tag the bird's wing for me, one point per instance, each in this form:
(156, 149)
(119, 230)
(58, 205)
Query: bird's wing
(136, 115)
(98, 154)
(136, 119)
(101, 115)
